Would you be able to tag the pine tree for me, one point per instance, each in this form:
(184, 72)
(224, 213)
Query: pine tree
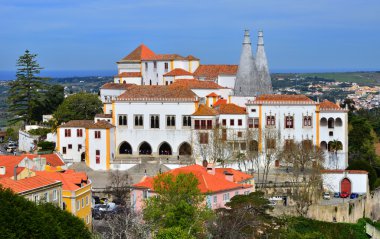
(24, 93)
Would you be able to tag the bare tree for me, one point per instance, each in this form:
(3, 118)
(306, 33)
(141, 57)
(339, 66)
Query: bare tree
(306, 162)
(123, 225)
(118, 184)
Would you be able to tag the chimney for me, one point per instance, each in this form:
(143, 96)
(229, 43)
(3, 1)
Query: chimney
(229, 176)
(210, 169)
(2, 170)
(15, 173)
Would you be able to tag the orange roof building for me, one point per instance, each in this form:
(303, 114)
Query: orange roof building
(218, 184)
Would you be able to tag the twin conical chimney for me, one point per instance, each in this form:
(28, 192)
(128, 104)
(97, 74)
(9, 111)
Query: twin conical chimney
(250, 80)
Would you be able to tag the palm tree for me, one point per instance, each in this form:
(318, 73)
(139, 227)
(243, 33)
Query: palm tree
(334, 147)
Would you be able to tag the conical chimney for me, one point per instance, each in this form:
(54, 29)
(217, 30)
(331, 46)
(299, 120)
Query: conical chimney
(265, 83)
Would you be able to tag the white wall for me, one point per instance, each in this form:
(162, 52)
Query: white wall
(226, 81)
(74, 140)
(359, 182)
(26, 141)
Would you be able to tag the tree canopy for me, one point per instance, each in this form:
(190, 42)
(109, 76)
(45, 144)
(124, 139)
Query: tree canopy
(21, 218)
(24, 93)
(179, 206)
(80, 106)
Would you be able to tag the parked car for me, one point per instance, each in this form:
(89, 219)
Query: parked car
(344, 194)
(354, 195)
(98, 211)
(336, 195)
(326, 196)
(272, 203)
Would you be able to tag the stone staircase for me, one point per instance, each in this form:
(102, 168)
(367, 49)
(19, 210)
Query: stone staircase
(148, 167)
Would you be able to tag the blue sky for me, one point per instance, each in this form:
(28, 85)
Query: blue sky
(307, 35)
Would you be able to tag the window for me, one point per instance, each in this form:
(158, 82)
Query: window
(246, 192)
(240, 134)
(146, 66)
(170, 120)
(224, 122)
(155, 65)
(36, 198)
(166, 66)
(203, 138)
(232, 122)
(67, 132)
(256, 123)
(82, 202)
(79, 133)
(97, 156)
(78, 204)
(271, 121)
(139, 120)
(203, 124)
(79, 147)
(240, 122)
(55, 197)
(243, 146)
(271, 143)
(209, 124)
(224, 134)
(46, 197)
(331, 133)
(186, 120)
(226, 197)
(289, 122)
(97, 134)
(70, 146)
(63, 150)
(288, 144)
(215, 199)
(236, 193)
(154, 121)
(87, 200)
(122, 119)
(253, 110)
(196, 124)
(145, 194)
(307, 121)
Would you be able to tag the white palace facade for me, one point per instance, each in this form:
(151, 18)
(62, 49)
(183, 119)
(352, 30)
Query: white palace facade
(167, 106)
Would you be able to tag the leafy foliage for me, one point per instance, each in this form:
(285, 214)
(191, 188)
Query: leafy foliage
(81, 106)
(173, 233)
(179, 203)
(246, 216)
(39, 131)
(364, 165)
(51, 97)
(24, 93)
(46, 145)
(21, 218)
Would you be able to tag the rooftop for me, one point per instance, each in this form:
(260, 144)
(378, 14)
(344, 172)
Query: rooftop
(158, 92)
(88, 124)
(207, 182)
(196, 84)
(70, 179)
(282, 99)
(211, 72)
(141, 52)
(328, 105)
(129, 74)
(204, 110)
(178, 72)
(115, 86)
(230, 109)
(27, 184)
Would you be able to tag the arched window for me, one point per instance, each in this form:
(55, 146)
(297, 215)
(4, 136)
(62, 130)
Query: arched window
(124, 120)
(338, 122)
(120, 120)
(125, 148)
(323, 145)
(165, 149)
(330, 123)
(323, 121)
(185, 149)
(145, 149)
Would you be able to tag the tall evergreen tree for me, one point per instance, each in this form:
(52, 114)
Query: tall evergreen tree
(24, 93)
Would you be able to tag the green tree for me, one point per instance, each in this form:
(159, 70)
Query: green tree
(81, 106)
(51, 98)
(364, 165)
(246, 216)
(173, 233)
(179, 204)
(21, 218)
(24, 93)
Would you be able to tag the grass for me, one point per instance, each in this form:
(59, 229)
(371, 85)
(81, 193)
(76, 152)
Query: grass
(357, 77)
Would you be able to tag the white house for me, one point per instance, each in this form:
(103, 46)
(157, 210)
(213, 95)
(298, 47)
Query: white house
(348, 181)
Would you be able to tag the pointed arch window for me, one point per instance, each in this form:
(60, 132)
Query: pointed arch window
(139, 120)
(122, 119)
(154, 121)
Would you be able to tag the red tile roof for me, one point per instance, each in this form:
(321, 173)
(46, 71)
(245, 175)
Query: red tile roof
(220, 102)
(158, 92)
(9, 162)
(178, 72)
(196, 84)
(129, 74)
(116, 86)
(342, 171)
(212, 94)
(70, 179)
(103, 116)
(208, 183)
(282, 99)
(141, 52)
(230, 109)
(77, 124)
(204, 110)
(238, 176)
(101, 124)
(27, 184)
(51, 159)
(210, 72)
(328, 105)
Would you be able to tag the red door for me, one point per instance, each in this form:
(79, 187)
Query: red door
(345, 186)
(277, 163)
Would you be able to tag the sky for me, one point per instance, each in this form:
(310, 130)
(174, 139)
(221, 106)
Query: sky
(91, 35)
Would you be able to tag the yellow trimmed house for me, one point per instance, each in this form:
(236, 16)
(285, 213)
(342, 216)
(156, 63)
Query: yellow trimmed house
(76, 192)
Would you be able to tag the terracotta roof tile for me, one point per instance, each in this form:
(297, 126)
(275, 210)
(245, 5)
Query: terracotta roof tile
(207, 182)
(328, 105)
(230, 109)
(70, 179)
(158, 92)
(212, 94)
(178, 72)
(27, 184)
(116, 86)
(196, 84)
(342, 171)
(283, 99)
(9, 162)
(141, 52)
(101, 124)
(164, 57)
(129, 74)
(238, 176)
(51, 159)
(192, 58)
(220, 102)
(203, 110)
(211, 72)
(103, 116)
(77, 124)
